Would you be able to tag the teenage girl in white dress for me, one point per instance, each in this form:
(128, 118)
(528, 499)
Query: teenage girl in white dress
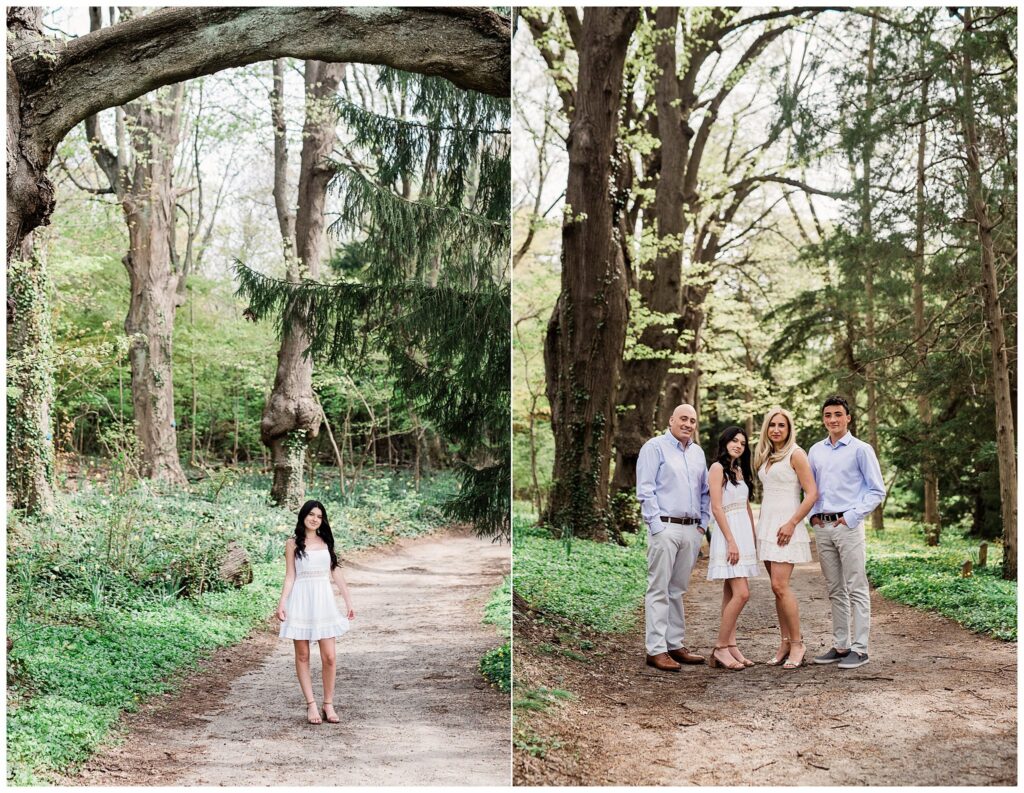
(307, 609)
(732, 558)
(782, 538)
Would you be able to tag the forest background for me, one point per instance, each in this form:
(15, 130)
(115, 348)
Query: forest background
(744, 208)
(164, 421)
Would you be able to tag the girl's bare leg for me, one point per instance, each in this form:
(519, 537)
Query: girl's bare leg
(740, 596)
(328, 661)
(784, 634)
(785, 601)
(306, 680)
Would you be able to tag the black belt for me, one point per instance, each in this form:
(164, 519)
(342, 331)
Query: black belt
(682, 521)
(827, 517)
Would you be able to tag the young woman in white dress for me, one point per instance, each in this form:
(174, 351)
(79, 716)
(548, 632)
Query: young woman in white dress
(307, 609)
(733, 558)
(782, 538)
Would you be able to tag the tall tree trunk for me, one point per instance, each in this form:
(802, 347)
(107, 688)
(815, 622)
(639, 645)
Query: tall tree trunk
(877, 523)
(659, 283)
(149, 210)
(586, 332)
(932, 527)
(29, 385)
(292, 415)
(978, 207)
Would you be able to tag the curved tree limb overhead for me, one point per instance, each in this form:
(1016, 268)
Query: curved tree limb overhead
(64, 83)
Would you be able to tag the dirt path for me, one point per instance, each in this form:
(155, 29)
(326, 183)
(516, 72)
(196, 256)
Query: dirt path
(936, 705)
(414, 708)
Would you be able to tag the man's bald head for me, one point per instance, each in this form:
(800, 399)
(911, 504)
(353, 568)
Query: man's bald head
(683, 424)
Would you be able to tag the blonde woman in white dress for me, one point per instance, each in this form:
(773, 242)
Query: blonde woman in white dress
(782, 538)
(732, 557)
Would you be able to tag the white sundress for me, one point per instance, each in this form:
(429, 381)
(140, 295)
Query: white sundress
(734, 502)
(311, 612)
(781, 499)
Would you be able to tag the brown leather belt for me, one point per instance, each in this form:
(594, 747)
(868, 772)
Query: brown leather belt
(681, 521)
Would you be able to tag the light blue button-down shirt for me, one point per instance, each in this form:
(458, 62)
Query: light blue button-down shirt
(672, 480)
(848, 477)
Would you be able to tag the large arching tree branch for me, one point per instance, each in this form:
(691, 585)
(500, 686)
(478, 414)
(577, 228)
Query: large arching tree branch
(67, 82)
(53, 85)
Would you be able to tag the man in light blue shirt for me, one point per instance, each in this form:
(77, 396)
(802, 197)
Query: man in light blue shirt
(850, 487)
(672, 486)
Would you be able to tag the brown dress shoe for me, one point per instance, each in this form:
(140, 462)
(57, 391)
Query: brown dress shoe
(663, 662)
(684, 656)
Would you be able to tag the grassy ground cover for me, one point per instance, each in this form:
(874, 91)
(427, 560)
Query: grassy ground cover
(598, 585)
(904, 569)
(496, 665)
(112, 597)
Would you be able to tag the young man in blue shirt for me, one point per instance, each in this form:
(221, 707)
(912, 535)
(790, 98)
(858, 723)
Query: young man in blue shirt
(850, 487)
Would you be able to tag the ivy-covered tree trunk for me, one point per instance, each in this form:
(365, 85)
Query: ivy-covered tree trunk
(979, 213)
(586, 332)
(643, 373)
(292, 415)
(29, 386)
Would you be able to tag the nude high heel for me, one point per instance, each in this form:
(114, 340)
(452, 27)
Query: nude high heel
(776, 661)
(746, 661)
(803, 660)
(714, 662)
(315, 718)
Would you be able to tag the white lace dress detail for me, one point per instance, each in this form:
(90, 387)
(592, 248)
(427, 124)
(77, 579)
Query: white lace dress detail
(734, 503)
(311, 612)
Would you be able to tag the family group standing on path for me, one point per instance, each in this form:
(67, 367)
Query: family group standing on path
(841, 483)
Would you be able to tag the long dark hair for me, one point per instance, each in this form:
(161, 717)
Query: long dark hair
(723, 456)
(324, 532)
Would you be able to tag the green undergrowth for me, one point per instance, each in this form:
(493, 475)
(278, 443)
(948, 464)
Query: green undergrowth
(597, 585)
(116, 595)
(496, 664)
(902, 568)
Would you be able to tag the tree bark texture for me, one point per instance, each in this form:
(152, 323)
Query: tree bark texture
(149, 210)
(586, 333)
(979, 215)
(52, 86)
(292, 415)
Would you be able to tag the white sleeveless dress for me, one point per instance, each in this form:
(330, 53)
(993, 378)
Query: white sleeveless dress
(734, 502)
(781, 499)
(311, 612)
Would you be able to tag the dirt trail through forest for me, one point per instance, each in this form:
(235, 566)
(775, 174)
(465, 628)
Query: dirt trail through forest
(935, 706)
(414, 709)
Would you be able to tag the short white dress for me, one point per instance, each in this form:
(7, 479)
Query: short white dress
(781, 499)
(311, 612)
(734, 502)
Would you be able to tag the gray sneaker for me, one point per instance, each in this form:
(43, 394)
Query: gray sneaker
(831, 657)
(853, 659)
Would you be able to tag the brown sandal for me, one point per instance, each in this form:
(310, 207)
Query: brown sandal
(316, 713)
(328, 719)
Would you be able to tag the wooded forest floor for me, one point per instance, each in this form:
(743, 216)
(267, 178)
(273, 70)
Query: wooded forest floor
(413, 706)
(935, 706)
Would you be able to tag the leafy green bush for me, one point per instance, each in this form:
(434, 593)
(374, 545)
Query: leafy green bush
(496, 666)
(599, 585)
(105, 604)
(498, 611)
(903, 568)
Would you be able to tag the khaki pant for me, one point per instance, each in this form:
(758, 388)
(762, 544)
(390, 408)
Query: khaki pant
(671, 554)
(841, 554)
